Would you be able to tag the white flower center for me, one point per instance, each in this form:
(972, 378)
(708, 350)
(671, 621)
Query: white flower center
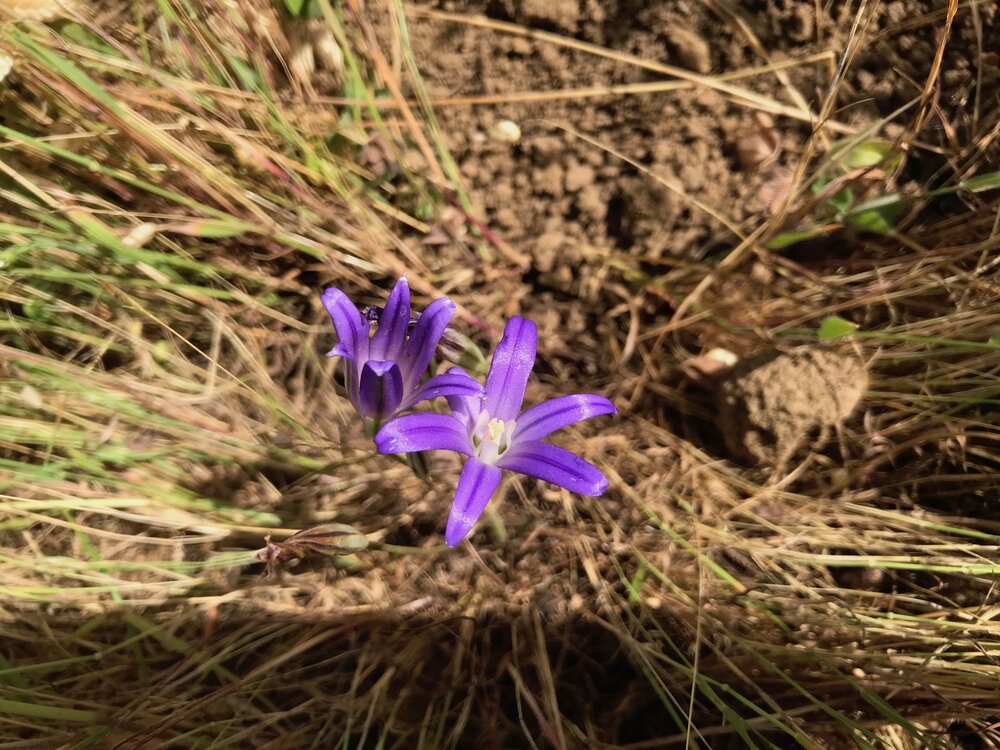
(491, 437)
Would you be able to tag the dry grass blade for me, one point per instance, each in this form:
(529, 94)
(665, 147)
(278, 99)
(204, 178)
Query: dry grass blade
(176, 188)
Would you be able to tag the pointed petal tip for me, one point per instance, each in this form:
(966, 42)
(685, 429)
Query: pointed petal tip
(454, 537)
(602, 486)
(390, 335)
(423, 340)
(351, 328)
(401, 285)
(332, 296)
(555, 465)
(545, 418)
(387, 445)
(439, 306)
(523, 326)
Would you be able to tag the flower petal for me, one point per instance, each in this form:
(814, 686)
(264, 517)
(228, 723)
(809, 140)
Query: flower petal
(423, 432)
(512, 362)
(380, 390)
(465, 408)
(455, 384)
(552, 415)
(351, 381)
(476, 486)
(544, 461)
(424, 339)
(351, 328)
(387, 343)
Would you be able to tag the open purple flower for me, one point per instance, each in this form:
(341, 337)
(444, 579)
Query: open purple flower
(495, 436)
(383, 372)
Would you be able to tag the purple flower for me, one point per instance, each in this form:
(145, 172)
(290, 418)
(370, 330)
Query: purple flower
(495, 436)
(382, 373)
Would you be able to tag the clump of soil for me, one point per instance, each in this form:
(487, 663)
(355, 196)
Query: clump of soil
(773, 403)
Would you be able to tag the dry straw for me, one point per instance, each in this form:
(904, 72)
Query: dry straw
(169, 216)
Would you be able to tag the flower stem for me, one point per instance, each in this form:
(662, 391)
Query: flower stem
(497, 527)
(419, 464)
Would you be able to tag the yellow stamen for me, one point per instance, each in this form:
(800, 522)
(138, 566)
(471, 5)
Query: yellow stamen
(495, 429)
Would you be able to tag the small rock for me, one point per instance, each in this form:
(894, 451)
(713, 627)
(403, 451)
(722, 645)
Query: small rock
(547, 145)
(506, 131)
(31, 397)
(140, 235)
(711, 366)
(692, 50)
(301, 60)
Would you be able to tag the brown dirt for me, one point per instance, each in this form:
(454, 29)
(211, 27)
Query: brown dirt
(566, 202)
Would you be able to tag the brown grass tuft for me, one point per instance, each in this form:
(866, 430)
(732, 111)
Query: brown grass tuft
(174, 199)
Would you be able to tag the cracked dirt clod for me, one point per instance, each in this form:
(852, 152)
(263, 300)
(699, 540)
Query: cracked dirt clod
(774, 403)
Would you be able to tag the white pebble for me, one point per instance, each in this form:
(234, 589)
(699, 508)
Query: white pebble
(506, 131)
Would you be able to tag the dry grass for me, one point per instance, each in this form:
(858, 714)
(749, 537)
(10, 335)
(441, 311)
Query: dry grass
(172, 203)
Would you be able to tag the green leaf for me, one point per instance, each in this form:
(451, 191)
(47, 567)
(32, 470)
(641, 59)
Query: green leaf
(82, 36)
(842, 201)
(786, 239)
(834, 327)
(249, 79)
(877, 216)
(867, 154)
(988, 181)
(39, 711)
(304, 9)
(635, 585)
(819, 183)
(875, 222)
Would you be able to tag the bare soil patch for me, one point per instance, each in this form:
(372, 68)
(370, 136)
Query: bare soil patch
(573, 206)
